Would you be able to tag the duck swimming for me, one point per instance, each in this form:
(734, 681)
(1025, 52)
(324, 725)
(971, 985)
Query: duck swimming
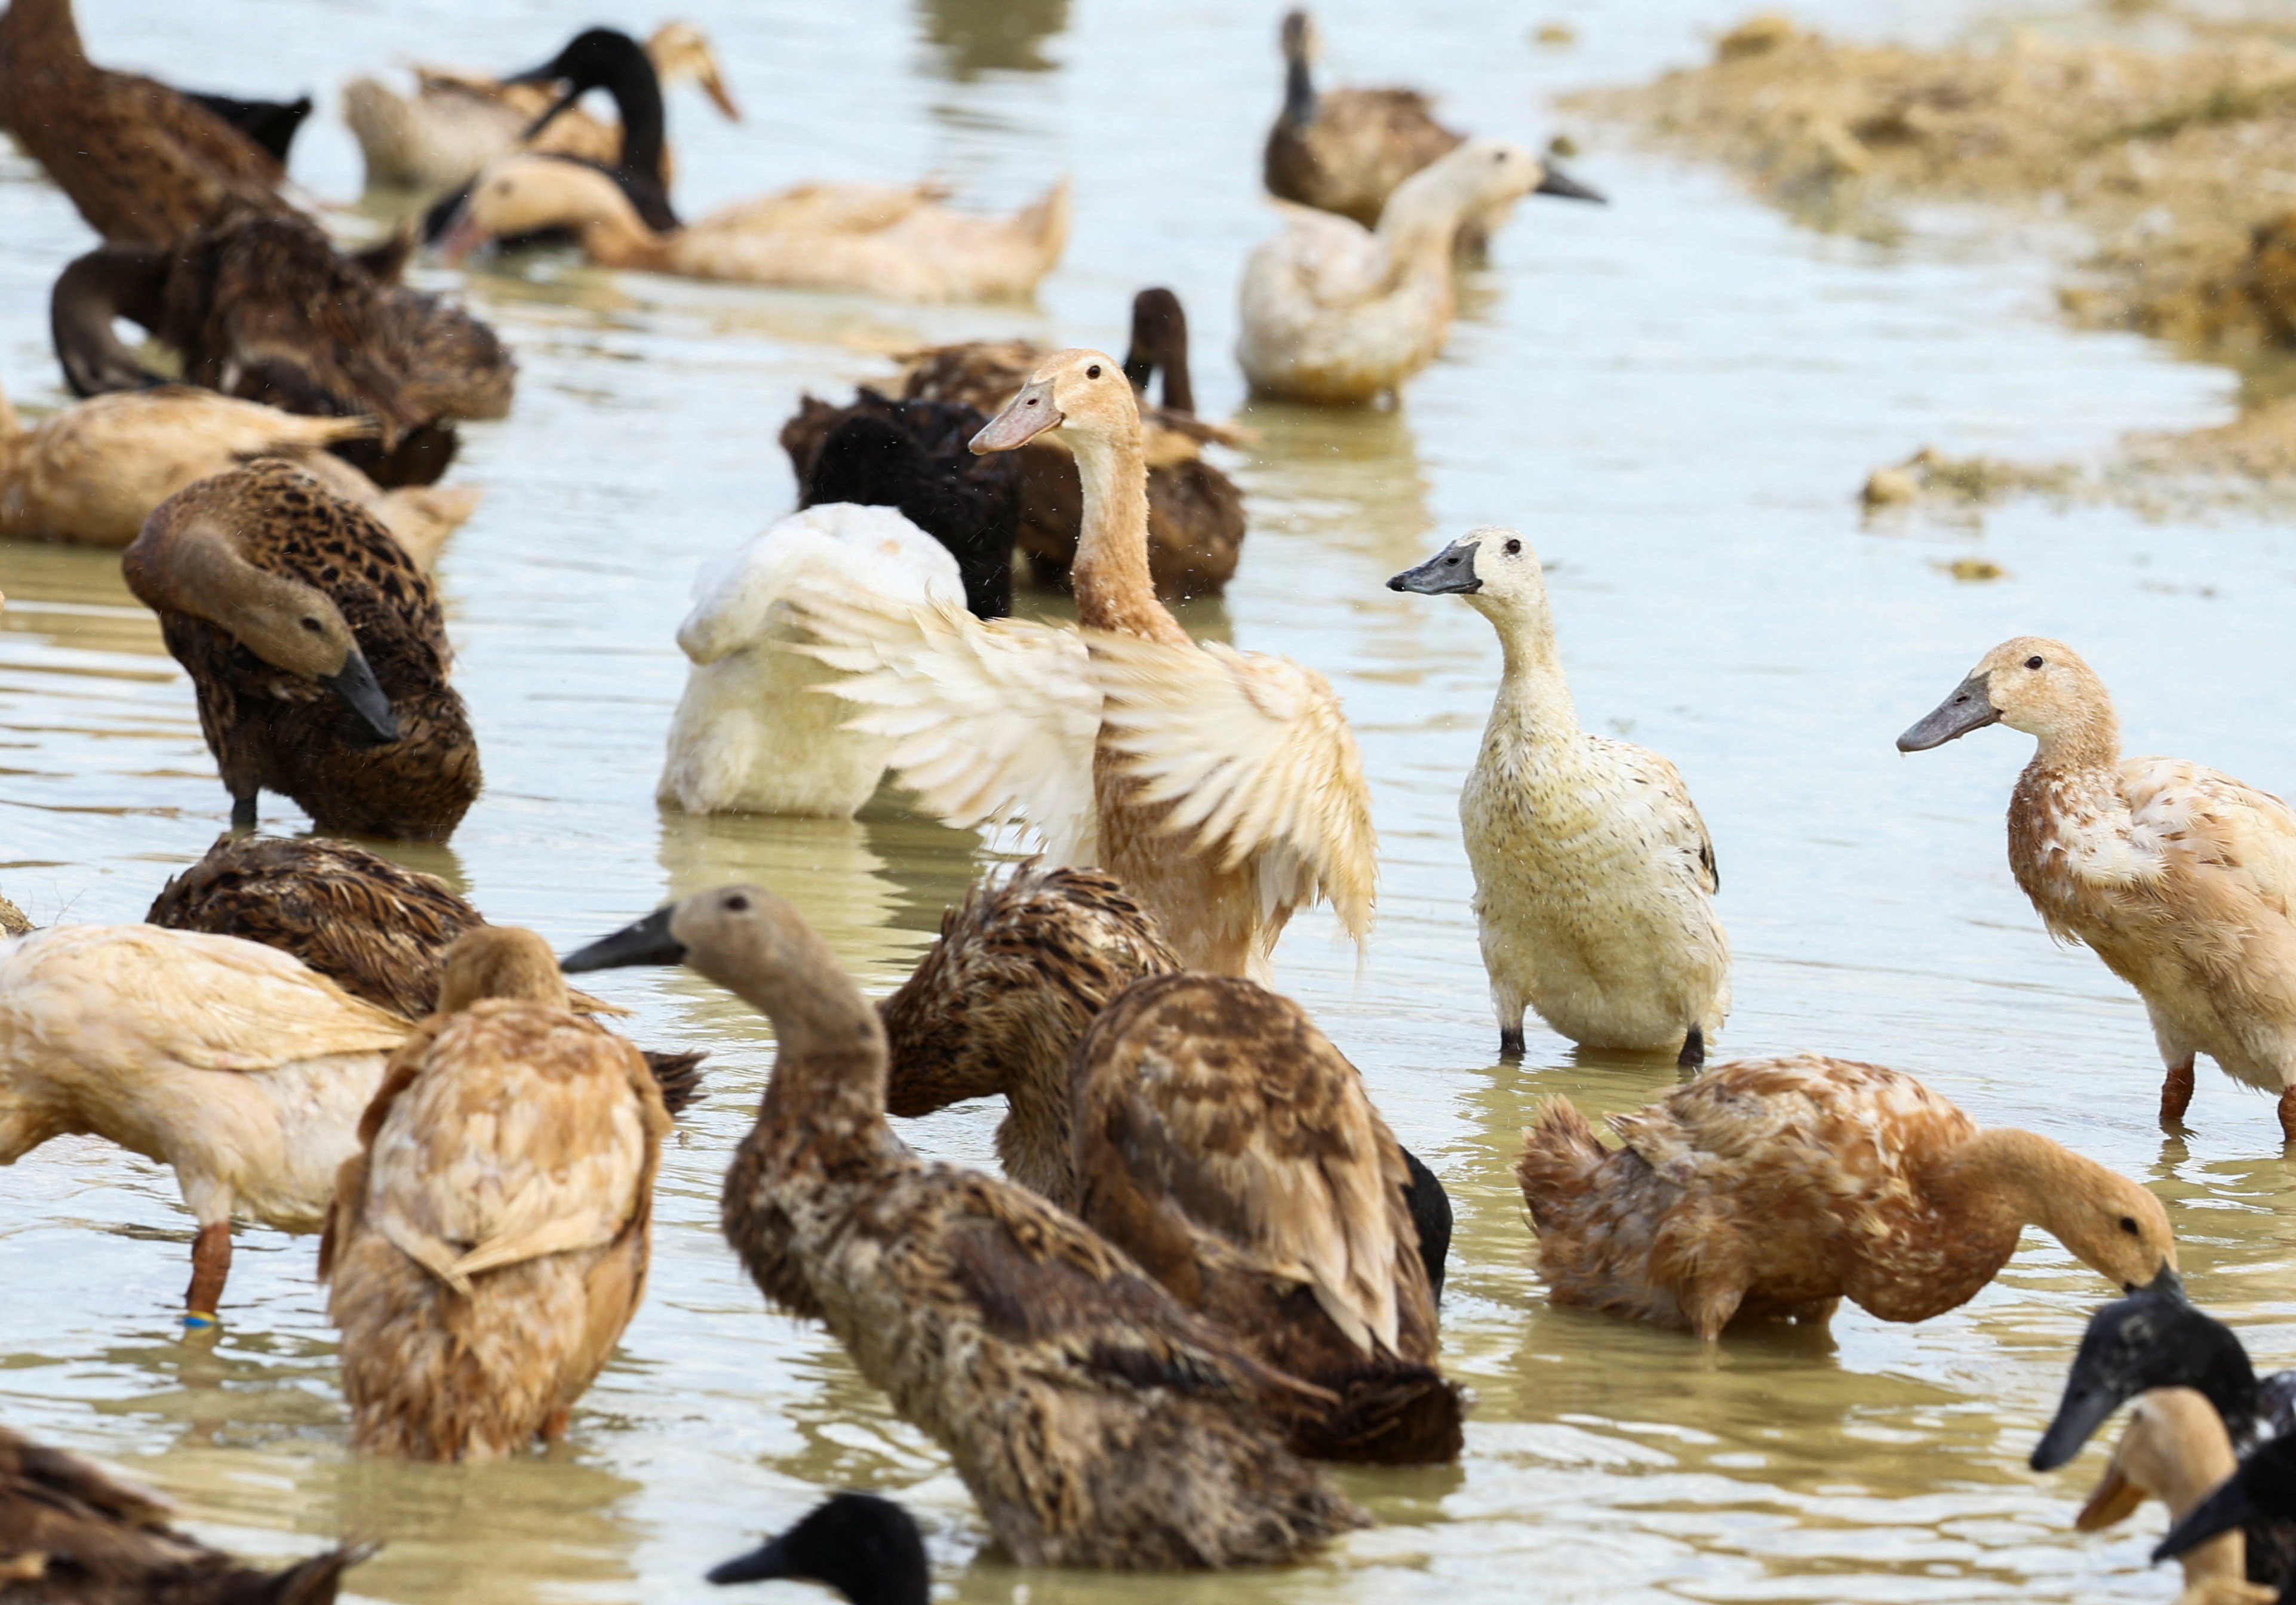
(1096, 1423)
(2180, 877)
(866, 1548)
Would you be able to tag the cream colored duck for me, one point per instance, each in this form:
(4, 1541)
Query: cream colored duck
(746, 737)
(488, 1244)
(1776, 1188)
(2182, 879)
(1594, 878)
(880, 239)
(1339, 314)
(1223, 787)
(230, 1062)
(2175, 1449)
(455, 122)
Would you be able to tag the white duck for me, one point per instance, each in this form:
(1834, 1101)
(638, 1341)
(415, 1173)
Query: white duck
(1337, 313)
(884, 240)
(1594, 878)
(226, 1059)
(1223, 787)
(2181, 878)
(746, 738)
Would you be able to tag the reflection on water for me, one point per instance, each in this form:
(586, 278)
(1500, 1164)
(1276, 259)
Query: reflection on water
(973, 37)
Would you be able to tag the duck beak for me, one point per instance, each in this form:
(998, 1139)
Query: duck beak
(2079, 1413)
(464, 235)
(647, 942)
(354, 683)
(2228, 1507)
(1450, 572)
(720, 97)
(2113, 1500)
(1970, 707)
(567, 97)
(1561, 184)
(765, 1561)
(1026, 417)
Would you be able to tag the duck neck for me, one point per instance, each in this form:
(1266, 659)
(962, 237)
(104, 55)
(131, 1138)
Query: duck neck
(2090, 741)
(200, 572)
(1172, 356)
(1533, 693)
(827, 1089)
(1113, 589)
(1299, 86)
(1418, 226)
(42, 32)
(2009, 1179)
(636, 91)
(11, 427)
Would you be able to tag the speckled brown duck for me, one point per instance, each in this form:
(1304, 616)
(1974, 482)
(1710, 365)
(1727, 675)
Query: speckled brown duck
(1097, 1421)
(317, 650)
(377, 929)
(70, 1535)
(143, 162)
(266, 308)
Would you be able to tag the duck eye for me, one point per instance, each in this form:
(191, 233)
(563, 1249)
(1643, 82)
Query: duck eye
(1093, 371)
(2128, 1225)
(2032, 663)
(312, 625)
(1514, 548)
(738, 903)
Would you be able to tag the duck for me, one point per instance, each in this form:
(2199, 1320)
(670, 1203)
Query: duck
(866, 1548)
(750, 736)
(267, 309)
(489, 1243)
(376, 928)
(1196, 521)
(1595, 876)
(70, 1534)
(1223, 787)
(1774, 1187)
(912, 457)
(1095, 1421)
(2263, 1490)
(317, 651)
(455, 122)
(1338, 315)
(2180, 877)
(2174, 1449)
(236, 1066)
(270, 124)
(143, 163)
(896, 242)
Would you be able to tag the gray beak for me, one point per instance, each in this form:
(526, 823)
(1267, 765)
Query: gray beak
(1970, 707)
(768, 1561)
(1450, 572)
(1026, 417)
(647, 942)
(354, 683)
(1561, 184)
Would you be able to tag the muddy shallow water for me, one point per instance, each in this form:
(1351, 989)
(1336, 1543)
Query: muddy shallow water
(1673, 398)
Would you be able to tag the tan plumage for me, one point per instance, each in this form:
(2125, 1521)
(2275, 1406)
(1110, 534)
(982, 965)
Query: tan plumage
(2175, 1449)
(1594, 877)
(141, 162)
(1096, 1423)
(2182, 879)
(456, 122)
(12, 923)
(1223, 787)
(489, 1245)
(1774, 1187)
(230, 1062)
(889, 241)
(70, 1535)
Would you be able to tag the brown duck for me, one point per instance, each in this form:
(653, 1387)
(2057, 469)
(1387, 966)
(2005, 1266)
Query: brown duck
(141, 162)
(317, 650)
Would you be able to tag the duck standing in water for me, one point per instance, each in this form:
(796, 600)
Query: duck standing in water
(1097, 1421)
(2181, 879)
(1594, 877)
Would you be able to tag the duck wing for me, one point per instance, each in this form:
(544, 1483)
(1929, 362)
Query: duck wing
(1670, 819)
(829, 208)
(991, 720)
(1255, 755)
(2216, 826)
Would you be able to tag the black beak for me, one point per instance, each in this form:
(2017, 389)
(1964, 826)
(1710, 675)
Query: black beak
(647, 942)
(1450, 572)
(1970, 707)
(767, 1560)
(354, 683)
(572, 93)
(2079, 1413)
(1559, 182)
(2228, 1507)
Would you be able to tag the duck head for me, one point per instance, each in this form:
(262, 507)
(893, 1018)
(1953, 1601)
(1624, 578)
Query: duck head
(2031, 684)
(866, 1548)
(1078, 389)
(1493, 568)
(499, 961)
(1160, 340)
(681, 53)
(2154, 1337)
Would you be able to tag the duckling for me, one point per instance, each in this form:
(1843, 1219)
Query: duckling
(1594, 877)
(866, 1548)
(488, 1244)
(317, 651)
(143, 163)
(375, 929)
(2263, 1490)
(2181, 879)
(234, 1064)
(1223, 787)
(748, 736)
(1337, 314)
(894, 242)
(912, 457)
(1195, 513)
(2174, 1449)
(70, 1535)
(1776, 1188)
(1097, 1421)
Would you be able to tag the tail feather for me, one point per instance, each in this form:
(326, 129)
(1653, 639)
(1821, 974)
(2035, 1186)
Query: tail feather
(679, 1076)
(1406, 1415)
(1560, 1157)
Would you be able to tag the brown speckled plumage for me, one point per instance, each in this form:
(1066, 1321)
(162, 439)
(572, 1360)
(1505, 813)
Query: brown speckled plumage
(271, 729)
